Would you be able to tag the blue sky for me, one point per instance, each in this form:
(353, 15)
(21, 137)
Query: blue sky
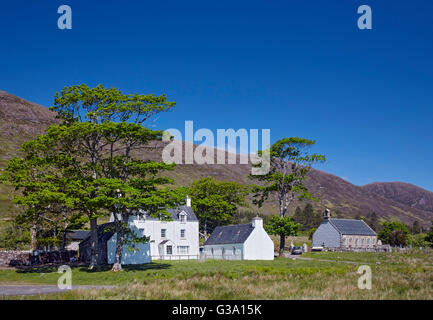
(300, 68)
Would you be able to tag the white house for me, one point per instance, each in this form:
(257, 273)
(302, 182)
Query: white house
(173, 240)
(240, 242)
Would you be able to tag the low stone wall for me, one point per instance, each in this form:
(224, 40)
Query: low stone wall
(24, 258)
(14, 258)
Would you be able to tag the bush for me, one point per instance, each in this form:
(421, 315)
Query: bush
(14, 237)
(417, 240)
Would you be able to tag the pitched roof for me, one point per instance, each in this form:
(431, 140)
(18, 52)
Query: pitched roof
(190, 216)
(230, 234)
(77, 235)
(105, 232)
(351, 226)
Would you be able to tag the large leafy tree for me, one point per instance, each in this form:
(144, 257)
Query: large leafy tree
(102, 134)
(290, 161)
(215, 202)
(282, 226)
(94, 153)
(394, 233)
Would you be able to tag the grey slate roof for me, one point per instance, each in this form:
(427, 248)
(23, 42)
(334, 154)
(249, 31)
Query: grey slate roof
(351, 226)
(78, 235)
(105, 232)
(230, 234)
(190, 216)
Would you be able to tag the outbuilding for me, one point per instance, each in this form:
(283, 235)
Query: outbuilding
(240, 242)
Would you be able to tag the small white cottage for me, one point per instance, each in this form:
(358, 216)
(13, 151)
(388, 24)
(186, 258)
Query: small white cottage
(240, 242)
(169, 240)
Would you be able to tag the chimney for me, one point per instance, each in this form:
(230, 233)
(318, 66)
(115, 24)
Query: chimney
(326, 214)
(257, 222)
(188, 201)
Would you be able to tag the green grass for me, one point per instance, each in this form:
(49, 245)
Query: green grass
(167, 269)
(395, 276)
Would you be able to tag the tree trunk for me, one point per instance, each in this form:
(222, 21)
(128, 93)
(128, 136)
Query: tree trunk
(282, 244)
(205, 230)
(63, 245)
(93, 243)
(33, 237)
(117, 266)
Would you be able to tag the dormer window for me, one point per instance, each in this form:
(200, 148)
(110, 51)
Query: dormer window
(182, 216)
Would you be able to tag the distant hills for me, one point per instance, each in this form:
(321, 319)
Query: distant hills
(21, 120)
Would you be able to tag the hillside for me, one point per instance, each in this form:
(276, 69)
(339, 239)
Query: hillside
(21, 120)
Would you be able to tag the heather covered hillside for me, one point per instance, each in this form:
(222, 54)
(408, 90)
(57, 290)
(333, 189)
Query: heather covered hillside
(21, 120)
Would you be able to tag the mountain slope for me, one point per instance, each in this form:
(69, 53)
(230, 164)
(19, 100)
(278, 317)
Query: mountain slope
(21, 120)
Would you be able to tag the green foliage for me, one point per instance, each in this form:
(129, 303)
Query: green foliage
(311, 232)
(290, 161)
(307, 217)
(14, 237)
(282, 226)
(418, 240)
(372, 221)
(86, 165)
(429, 236)
(216, 202)
(393, 233)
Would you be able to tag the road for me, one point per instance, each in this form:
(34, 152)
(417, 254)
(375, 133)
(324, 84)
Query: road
(28, 290)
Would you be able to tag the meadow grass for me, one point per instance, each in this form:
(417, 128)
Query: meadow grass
(397, 276)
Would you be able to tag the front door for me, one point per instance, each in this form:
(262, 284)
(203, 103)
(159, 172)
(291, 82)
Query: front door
(169, 250)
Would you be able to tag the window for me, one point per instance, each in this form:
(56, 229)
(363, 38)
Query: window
(163, 233)
(368, 240)
(362, 241)
(211, 250)
(169, 250)
(182, 249)
(182, 217)
(182, 233)
(234, 251)
(223, 251)
(356, 242)
(350, 240)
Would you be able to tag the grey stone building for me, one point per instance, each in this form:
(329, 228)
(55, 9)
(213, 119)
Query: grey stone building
(344, 233)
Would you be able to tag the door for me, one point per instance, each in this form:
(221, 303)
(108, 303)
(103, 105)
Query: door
(169, 249)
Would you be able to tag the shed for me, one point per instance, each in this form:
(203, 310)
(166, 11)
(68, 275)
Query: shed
(240, 242)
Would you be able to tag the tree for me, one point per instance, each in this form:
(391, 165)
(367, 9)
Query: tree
(394, 233)
(307, 218)
(282, 226)
(416, 228)
(290, 162)
(429, 236)
(14, 237)
(101, 133)
(215, 202)
(372, 221)
(93, 164)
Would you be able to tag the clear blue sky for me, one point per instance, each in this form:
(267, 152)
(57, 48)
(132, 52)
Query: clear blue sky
(300, 68)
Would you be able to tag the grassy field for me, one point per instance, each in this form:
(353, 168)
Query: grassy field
(394, 276)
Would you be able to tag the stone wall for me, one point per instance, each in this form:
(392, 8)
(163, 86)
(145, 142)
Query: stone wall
(14, 258)
(24, 258)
